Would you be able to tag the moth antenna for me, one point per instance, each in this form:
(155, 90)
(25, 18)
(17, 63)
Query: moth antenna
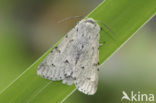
(69, 18)
(114, 34)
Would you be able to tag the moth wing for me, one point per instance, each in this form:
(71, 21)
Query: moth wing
(86, 71)
(58, 65)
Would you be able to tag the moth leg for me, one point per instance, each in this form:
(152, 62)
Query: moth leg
(101, 44)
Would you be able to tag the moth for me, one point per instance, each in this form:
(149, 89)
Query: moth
(76, 58)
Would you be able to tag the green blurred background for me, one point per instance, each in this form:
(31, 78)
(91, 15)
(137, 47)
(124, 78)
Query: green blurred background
(28, 28)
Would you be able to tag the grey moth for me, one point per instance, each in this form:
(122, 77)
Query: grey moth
(76, 58)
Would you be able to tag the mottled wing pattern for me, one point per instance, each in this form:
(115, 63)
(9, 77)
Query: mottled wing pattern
(76, 58)
(59, 65)
(86, 69)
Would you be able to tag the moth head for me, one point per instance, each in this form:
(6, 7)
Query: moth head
(88, 27)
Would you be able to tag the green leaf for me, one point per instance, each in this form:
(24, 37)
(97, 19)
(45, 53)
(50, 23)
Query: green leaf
(123, 17)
